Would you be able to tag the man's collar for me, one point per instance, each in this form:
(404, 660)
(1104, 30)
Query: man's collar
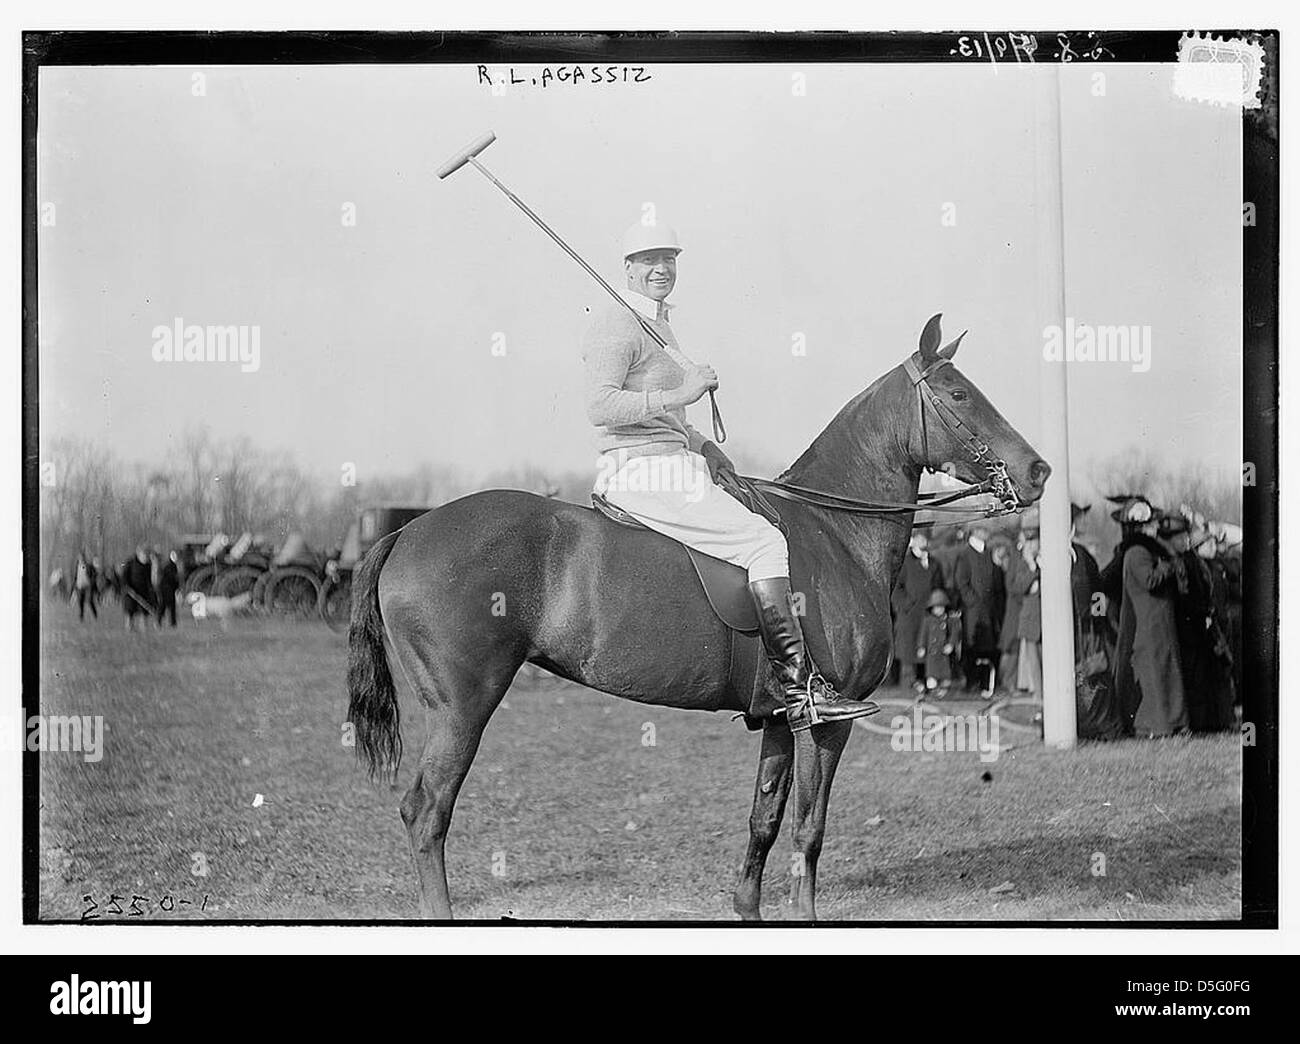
(645, 306)
(976, 543)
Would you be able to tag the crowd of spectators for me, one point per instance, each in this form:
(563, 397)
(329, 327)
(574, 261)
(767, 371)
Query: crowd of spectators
(1157, 631)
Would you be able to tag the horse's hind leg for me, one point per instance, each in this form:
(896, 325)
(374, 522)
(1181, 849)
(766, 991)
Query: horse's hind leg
(770, 792)
(449, 750)
(817, 754)
(457, 708)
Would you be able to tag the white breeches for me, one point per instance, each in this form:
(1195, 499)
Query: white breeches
(673, 494)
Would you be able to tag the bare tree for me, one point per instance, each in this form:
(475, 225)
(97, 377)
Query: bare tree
(196, 472)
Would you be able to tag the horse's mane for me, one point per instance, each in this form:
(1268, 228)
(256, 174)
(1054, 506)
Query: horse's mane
(851, 407)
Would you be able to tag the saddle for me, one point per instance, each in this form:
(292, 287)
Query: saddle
(726, 586)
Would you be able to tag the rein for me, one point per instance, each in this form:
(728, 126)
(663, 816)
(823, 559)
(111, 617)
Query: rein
(719, 429)
(853, 506)
(997, 483)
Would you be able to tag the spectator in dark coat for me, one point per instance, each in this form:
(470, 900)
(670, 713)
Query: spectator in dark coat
(1131, 514)
(169, 583)
(1149, 677)
(1204, 656)
(1231, 559)
(1085, 574)
(1008, 634)
(137, 587)
(981, 595)
(919, 575)
(1098, 715)
(1023, 584)
(1221, 598)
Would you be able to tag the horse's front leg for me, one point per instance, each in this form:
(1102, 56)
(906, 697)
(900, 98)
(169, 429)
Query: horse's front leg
(770, 791)
(817, 753)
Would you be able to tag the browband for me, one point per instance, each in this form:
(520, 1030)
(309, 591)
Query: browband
(914, 372)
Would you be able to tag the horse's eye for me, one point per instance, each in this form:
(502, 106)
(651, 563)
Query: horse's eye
(958, 396)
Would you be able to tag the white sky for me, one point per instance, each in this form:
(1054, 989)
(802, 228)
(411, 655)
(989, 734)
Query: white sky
(816, 214)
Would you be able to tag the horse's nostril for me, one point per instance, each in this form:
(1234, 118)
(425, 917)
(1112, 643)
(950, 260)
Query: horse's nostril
(1038, 472)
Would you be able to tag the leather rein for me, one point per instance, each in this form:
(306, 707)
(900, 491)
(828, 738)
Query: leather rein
(998, 482)
(719, 429)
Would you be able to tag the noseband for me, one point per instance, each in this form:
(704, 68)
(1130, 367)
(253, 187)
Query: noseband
(998, 482)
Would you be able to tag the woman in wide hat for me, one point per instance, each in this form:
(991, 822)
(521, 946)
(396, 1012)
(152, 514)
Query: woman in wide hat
(1148, 671)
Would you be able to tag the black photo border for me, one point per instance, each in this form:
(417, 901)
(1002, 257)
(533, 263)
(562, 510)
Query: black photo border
(1260, 168)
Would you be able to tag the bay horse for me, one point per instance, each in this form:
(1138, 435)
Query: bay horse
(469, 592)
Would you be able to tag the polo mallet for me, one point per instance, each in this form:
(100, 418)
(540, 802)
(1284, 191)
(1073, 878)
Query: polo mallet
(469, 154)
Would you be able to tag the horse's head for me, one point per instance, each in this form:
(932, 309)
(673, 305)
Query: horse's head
(958, 431)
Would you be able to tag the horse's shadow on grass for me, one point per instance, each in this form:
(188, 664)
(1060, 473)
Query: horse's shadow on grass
(1153, 865)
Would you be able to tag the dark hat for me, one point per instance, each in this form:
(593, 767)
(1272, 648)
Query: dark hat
(937, 597)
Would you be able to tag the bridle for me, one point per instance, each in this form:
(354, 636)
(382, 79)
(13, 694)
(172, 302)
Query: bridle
(998, 482)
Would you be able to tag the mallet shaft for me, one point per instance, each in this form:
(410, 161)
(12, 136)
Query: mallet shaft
(469, 155)
(565, 247)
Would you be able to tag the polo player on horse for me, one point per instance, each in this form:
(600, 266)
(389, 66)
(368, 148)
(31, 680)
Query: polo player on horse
(656, 467)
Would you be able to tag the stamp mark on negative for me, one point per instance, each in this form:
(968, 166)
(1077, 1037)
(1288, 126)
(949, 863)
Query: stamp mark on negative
(1221, 72)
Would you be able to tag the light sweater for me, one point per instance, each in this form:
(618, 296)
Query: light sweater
(627, 374)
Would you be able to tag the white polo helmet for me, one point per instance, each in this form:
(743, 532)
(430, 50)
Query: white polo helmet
(658, 236)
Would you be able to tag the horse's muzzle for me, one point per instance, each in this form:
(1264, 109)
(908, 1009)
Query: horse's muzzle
(1036, 476)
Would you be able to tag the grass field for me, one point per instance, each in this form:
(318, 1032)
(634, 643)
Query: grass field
(568, 811)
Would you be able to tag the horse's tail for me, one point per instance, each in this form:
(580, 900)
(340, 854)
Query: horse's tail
(372, 706)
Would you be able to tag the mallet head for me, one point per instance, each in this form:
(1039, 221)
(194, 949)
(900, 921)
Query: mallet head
(462, 157)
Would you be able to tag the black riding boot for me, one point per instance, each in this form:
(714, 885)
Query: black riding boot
(809, 698)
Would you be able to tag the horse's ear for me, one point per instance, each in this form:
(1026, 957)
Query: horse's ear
(930, 337)
(950, 349)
